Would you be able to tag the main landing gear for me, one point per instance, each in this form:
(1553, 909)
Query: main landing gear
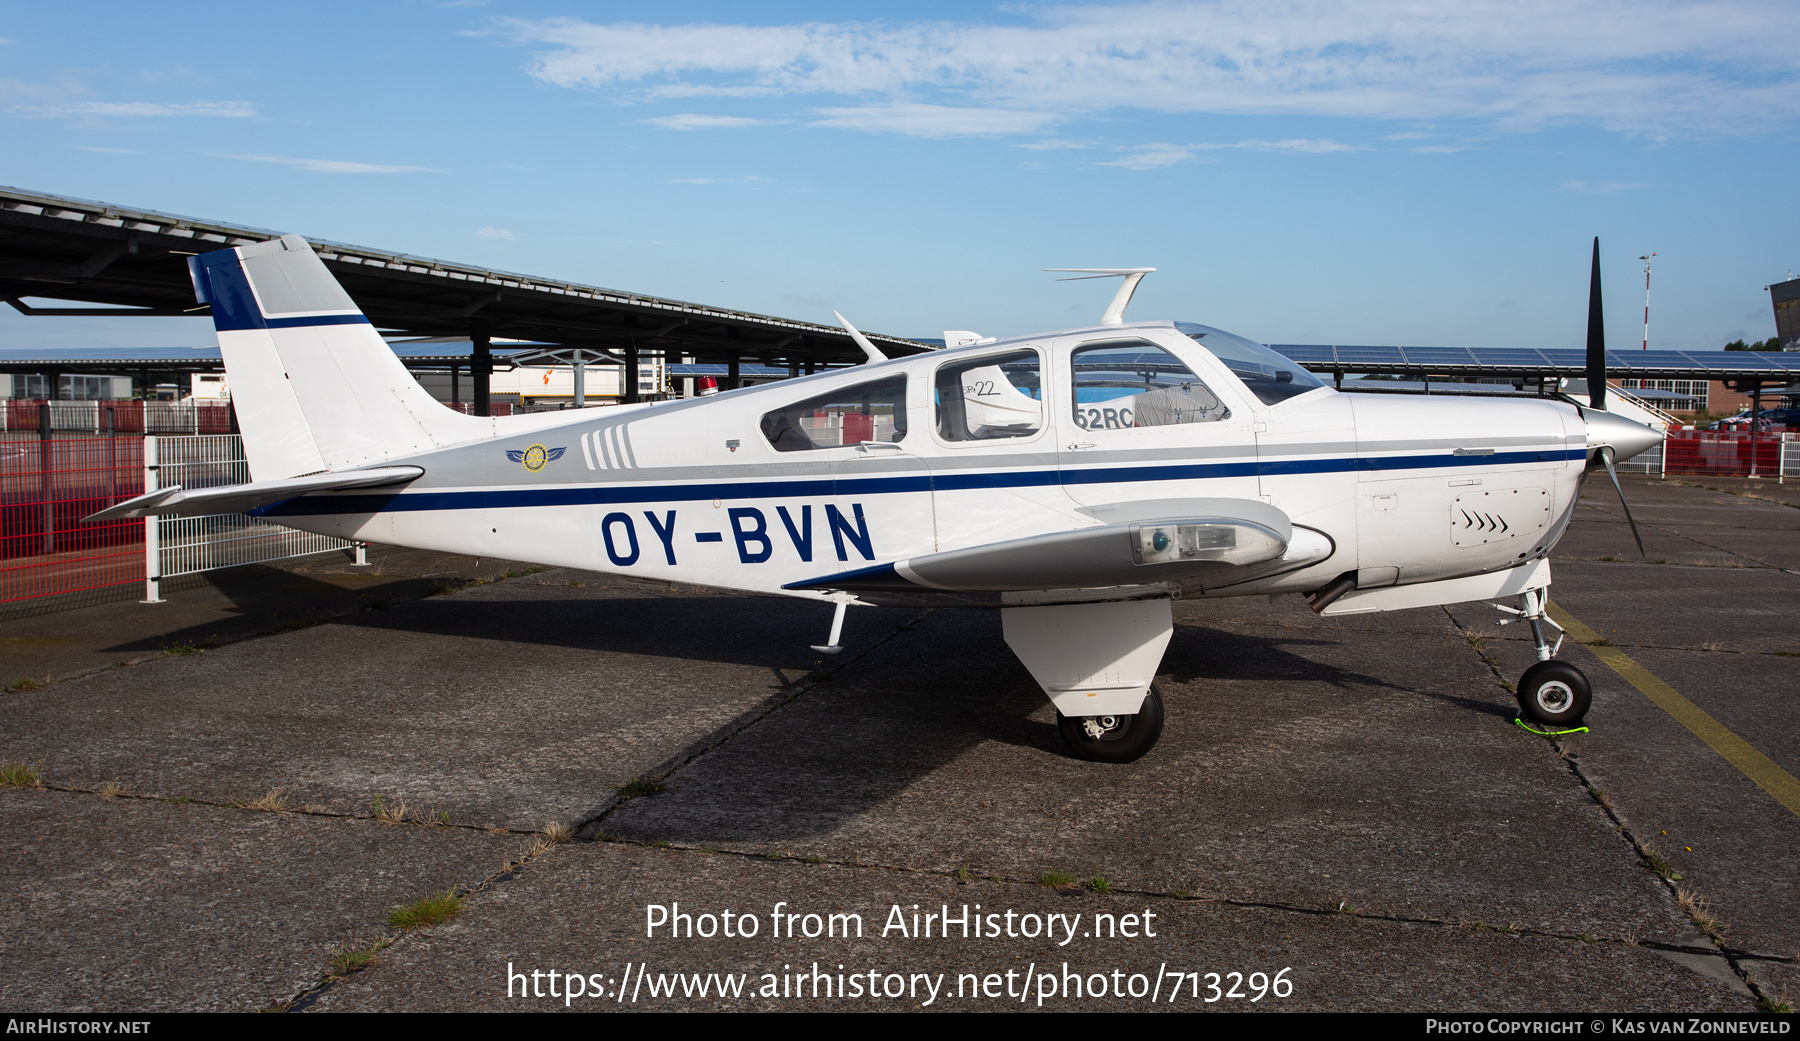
(1552, 693)
(1115, 739)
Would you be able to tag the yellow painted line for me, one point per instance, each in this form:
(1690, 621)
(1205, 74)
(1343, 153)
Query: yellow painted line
(1753, 764)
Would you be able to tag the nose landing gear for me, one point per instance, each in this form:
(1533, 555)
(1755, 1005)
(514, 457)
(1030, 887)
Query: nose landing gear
(1551, 693)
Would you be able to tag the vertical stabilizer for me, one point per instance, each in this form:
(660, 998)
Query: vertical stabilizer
(316, 388)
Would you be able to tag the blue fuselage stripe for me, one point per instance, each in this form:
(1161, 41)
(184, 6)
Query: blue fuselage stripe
(611, 494)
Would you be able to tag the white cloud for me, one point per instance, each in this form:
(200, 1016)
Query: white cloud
(1298, 145)
(106, 151)
(331, 165)
(1154, 157)
(495, 233)
(720, 180)
(1655, 66)
(1051, 144)
(1409, 135)
(1600, 187)
(920, 120)
(696, 121)
(150, 109)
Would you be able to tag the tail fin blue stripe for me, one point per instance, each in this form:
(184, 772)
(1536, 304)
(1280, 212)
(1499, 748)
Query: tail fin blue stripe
(219, 282)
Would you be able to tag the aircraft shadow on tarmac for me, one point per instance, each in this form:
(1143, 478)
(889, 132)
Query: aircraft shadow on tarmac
(896, 727)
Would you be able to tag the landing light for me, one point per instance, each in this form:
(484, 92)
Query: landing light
(1156, 543)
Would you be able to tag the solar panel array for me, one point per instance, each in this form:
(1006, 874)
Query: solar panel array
(1526, 361)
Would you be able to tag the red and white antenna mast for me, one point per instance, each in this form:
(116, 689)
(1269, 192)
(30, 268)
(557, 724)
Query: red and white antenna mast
(1646, 260)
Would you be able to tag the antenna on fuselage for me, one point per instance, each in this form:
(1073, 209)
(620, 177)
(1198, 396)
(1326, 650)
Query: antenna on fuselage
(862, 341)
(1115, 311)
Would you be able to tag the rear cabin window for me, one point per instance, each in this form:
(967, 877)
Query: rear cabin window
(999, 396)
(874, 411)
(1138, 384)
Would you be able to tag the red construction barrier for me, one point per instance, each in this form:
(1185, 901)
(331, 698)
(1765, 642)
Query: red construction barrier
(46, 487)
(1722, 453)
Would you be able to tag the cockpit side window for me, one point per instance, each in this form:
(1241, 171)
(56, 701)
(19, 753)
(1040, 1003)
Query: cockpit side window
(874, 411)
(1138, 384)
(999, 396)
(1272, 377)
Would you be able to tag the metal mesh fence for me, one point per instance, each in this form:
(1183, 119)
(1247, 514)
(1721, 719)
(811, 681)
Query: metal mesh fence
(186, 545)
(46, 487)
(21, 418)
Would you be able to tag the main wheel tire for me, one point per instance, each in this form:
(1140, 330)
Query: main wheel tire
(1120, 739)
(1554, 693)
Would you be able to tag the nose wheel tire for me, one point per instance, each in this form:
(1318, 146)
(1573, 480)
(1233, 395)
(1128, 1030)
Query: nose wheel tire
(1115, 739)
(1554, 693)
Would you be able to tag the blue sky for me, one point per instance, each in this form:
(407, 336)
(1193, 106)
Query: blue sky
(1405, 172)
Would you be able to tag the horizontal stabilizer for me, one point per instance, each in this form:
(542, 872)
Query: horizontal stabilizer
(176, 501)
(1090, 558)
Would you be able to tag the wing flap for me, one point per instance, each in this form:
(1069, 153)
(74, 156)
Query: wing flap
(177, 501)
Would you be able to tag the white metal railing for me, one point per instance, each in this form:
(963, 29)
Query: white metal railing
(1790, 458)
(188, 545)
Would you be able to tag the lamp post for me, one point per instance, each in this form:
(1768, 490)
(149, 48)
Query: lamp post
(1646, 260)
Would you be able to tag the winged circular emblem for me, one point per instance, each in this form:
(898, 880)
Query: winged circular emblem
(535, 457)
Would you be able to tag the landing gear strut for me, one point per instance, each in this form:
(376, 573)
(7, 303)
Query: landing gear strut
(1551, 693)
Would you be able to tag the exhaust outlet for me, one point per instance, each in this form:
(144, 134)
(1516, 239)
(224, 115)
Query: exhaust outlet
(1325, 597)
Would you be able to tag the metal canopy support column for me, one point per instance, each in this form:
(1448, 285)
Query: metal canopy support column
(732, 373)
(629, 392)
(580, 380)
(455, 389)
(481, 364)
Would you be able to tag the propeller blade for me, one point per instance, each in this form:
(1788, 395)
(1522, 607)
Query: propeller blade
(1596, 337)
(1606, 456)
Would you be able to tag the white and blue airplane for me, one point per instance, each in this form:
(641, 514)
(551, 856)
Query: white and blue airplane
(1077, 481)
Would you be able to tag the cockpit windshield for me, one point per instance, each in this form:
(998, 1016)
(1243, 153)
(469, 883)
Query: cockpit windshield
(1270, 376)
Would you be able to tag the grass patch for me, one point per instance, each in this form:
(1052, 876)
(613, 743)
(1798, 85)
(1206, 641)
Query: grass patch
(660, 843)
(175, 649)
(275, 800)
(1656, 865)
(638, 786)
(389, 813)
(1779, 1005)
(1787, 654)
(556, 834)
(433, 910)
(111, 789)
(964, 874)
(347, 961)
(1098, 884)
(20, 775)
(1181, 894)
(181, 800)
(1056, 879)
(1345, 907)
(522, 572)
(1699, 909)
(19, 686)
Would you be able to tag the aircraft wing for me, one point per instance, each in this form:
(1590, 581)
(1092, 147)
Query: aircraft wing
(176, 501)
(1107, 556)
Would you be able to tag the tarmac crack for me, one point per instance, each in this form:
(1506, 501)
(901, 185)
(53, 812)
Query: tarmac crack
(1686, 901)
